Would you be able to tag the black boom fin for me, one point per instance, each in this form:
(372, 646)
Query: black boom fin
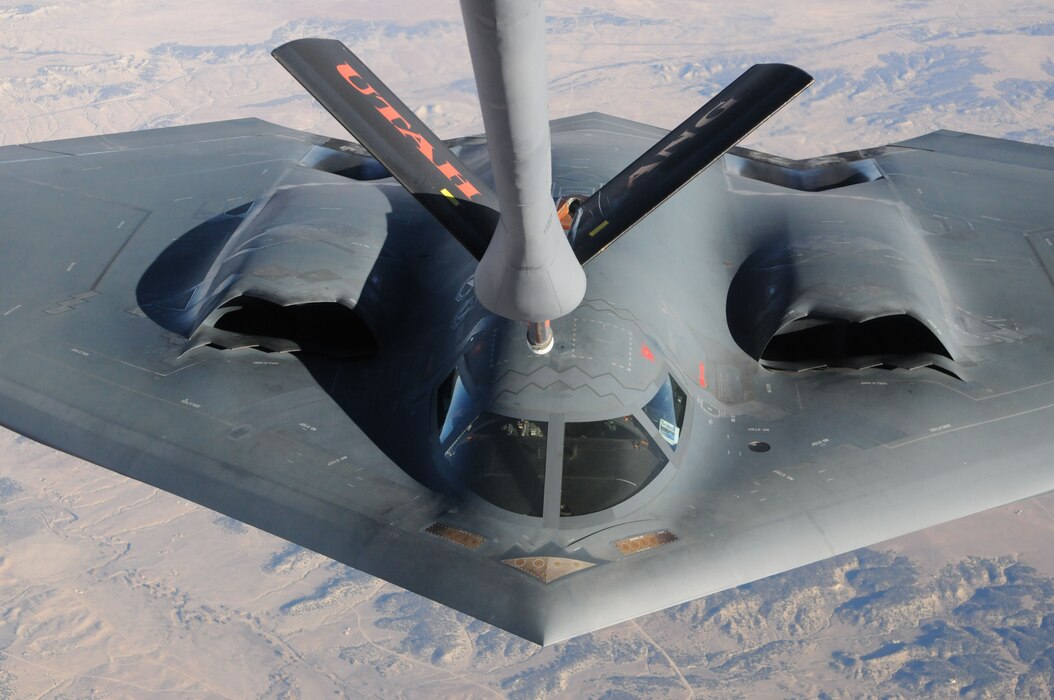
(682, 154)
(394, 135)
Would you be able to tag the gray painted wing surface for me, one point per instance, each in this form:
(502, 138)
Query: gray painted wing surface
(106, 355)
(251, 434)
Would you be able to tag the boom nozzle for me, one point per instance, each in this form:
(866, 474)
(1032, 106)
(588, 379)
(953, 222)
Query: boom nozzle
(540, 337)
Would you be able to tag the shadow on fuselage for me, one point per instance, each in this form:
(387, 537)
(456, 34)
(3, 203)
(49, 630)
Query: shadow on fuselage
(376, 319)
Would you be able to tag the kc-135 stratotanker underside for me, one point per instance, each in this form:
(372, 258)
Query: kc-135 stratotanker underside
(778, 362)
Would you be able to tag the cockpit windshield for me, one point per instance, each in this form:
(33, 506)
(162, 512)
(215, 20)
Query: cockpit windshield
(503, 461)
(606, 462)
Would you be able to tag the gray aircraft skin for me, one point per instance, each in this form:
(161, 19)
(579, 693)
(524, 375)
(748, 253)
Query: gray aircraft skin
(786, 360)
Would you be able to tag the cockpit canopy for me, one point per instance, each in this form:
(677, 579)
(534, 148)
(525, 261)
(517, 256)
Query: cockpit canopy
(601, 463)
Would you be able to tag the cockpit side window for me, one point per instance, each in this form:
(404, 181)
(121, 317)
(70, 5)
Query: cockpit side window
(666, 411)
(605, 463)
(455, 408)
(444, 396)
(502, 460)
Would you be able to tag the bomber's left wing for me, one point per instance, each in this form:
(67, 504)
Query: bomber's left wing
(142, 281)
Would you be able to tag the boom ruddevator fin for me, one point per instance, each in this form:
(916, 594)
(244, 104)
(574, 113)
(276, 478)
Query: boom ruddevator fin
(394, 135)
(682, 154)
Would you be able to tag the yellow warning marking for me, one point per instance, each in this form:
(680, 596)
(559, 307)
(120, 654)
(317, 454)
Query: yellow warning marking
(598, 229)
(446, 193)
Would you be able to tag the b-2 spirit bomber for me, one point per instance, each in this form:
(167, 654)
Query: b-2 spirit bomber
(556, 376)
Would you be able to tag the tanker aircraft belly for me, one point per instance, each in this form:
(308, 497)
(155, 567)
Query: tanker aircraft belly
(782, 361)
